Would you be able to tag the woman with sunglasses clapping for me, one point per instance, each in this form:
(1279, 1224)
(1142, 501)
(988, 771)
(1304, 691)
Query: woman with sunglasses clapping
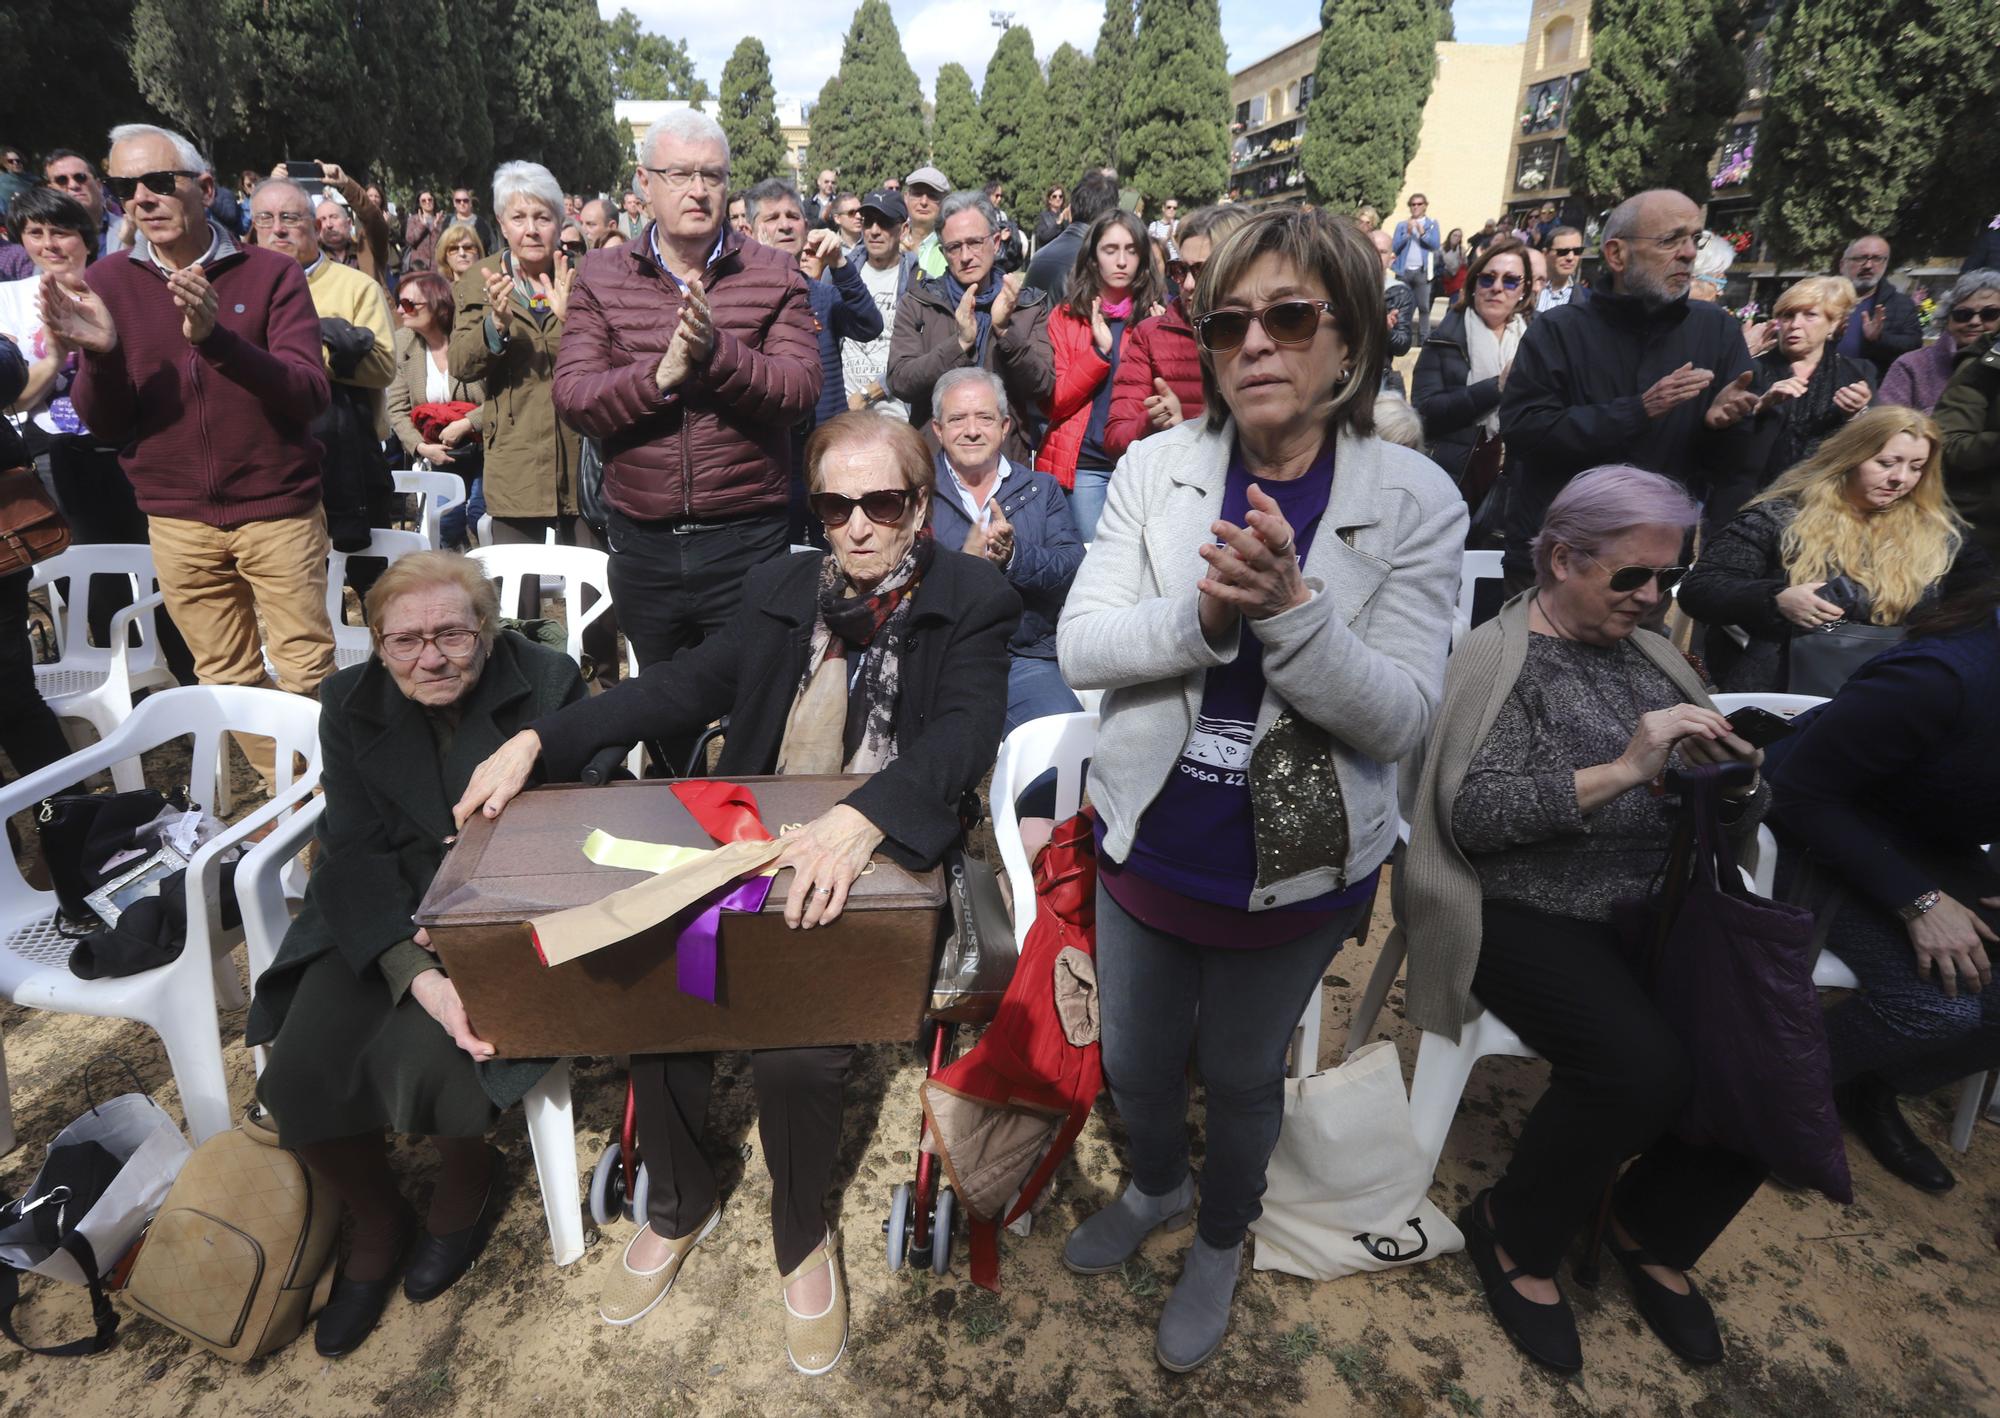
(1464, 366)
(1970, 315)
(1537, 813)
(1267, 606)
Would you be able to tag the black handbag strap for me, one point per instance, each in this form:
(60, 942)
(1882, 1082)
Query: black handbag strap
(102, 1314)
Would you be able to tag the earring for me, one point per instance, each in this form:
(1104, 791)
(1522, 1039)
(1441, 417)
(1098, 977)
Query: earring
(1342, 378)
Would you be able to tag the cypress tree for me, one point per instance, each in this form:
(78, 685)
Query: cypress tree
(869, 123)
(299, 84)
(748, 112)
(1069, 145)
(425, 137)
(185, 60)
(1014, 108)
(1666, 76)
(957, 135)
(557, 107)
(68, 76)
(1377, 60)
(1863, 133)
(1176, 108)
(1110, 72)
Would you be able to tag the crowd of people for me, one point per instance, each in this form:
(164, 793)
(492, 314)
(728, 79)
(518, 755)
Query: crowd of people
(881, 475)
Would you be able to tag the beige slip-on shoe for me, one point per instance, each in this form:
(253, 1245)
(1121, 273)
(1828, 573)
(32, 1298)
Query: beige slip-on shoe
(814, 1343)
(629, 1295)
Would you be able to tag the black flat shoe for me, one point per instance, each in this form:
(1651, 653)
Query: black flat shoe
(1868, 1106)
(1545, 1333)
(354, 1308)
(1684, 1323)
(437, 1261)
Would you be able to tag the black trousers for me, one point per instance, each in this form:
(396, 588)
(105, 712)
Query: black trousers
(102, 510)
(1618, 1079)
(30, 736)
(676, 588)
(798, 1119)
(600, 640)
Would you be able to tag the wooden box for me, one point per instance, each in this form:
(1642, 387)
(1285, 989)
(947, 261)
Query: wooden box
(864, 979)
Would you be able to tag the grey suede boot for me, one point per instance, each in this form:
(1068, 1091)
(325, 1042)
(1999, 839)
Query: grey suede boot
(1197, 1313)
(1108, 1239)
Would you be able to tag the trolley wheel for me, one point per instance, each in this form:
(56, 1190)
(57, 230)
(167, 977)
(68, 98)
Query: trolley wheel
(642, 1189)
(941, 1222)
(896, 1225)
(607, 1187)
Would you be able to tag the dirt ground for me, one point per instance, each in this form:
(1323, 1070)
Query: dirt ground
(1890, 1306)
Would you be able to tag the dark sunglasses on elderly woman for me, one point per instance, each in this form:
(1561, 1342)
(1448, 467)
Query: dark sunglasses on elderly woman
(1627, 579)
(1289, 322)
(1966, 314)
(1489, 279)
(884, 507)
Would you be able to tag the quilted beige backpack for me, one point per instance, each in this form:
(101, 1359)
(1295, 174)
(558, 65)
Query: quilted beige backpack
(240, 1255)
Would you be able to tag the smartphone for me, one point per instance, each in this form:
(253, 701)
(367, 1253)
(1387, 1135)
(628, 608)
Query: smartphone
(1759, 728)
(309, 175)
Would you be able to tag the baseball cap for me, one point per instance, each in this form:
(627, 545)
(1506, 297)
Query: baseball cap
(930, 177)
(887, 203)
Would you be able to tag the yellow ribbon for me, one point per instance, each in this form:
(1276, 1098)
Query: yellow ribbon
(608, 851)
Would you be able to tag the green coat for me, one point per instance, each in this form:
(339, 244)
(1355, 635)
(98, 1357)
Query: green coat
(388, 813)
(1968, 414)
(531, 455)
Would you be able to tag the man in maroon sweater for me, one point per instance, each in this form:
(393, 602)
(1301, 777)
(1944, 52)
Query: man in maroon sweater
(202, 360)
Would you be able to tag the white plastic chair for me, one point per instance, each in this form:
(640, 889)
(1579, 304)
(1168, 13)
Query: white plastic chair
(1063, 743)
(440, 492)
(269, 883)
(1476, 567)
(95, 683)
(177, 1000)
(569, 571)
(352, 644)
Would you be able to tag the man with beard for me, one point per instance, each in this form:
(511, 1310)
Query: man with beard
(1637, 374)
(1884, 326)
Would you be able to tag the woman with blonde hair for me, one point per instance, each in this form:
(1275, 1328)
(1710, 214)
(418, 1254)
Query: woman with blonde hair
(1806, 388)
(1861, 531)
(459, 249)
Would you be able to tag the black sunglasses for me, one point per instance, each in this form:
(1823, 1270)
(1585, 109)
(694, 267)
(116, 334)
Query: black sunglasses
(1289, 322)
(884, 507)
(1565, 251)
(1627, 579)
(1965, 314)
(1490, 279)
(1178, 271)
(160, 184)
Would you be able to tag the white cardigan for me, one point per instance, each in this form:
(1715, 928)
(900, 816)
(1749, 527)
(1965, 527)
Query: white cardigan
(1363, 658)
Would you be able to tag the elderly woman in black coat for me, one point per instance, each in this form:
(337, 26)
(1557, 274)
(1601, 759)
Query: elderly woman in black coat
(366, 1031)
(886, 657)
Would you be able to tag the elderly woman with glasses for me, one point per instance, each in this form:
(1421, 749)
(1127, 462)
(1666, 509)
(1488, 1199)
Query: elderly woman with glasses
(886, 657)
(1537, 813)
(366, 1031)
(1465, 363)
(1970, 313)
(1267, 608)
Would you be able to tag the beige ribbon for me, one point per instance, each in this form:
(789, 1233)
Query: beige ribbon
(684, 875)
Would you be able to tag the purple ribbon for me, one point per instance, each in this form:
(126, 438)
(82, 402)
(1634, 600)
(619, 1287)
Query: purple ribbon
(695, 951)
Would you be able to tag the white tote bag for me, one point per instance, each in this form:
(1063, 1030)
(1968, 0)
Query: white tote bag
(1347, 1186)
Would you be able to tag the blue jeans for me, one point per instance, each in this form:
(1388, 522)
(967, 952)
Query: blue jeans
(1164, 999)
(1035, 690)
(1086, 500)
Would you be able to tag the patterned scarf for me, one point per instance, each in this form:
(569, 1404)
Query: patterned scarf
(825, 716)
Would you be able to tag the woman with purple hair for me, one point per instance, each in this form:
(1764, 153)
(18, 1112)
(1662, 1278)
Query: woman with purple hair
(1537, 811)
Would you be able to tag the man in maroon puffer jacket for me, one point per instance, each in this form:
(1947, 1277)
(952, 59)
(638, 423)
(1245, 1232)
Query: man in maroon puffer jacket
(691, 354)
(202, 362)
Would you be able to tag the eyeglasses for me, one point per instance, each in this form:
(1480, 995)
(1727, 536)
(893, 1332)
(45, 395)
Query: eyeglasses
(884, 506)
(160, 184)
(1289, 322)
(410, 307)
(264, 221)
(1673, 239)
(956, 249)
(1418, 202)
(1627, 579)
(1985, 314)
(679, 179)
(1561, 251)
(408, 645)
(1490, 279)
(70, 179)
(1178, 271)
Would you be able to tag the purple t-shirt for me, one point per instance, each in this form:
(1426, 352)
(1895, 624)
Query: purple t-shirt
(1198, 837)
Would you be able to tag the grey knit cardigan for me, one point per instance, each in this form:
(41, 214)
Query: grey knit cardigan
(1435, 890)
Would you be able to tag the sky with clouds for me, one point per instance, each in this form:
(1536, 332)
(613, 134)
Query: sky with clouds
(803, 36)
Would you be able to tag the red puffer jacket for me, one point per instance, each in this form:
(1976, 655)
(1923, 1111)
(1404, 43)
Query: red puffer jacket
(1080, 373)
(1160, 348)
(719, 447)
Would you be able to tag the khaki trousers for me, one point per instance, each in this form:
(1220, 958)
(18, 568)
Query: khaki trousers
(219, 582)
